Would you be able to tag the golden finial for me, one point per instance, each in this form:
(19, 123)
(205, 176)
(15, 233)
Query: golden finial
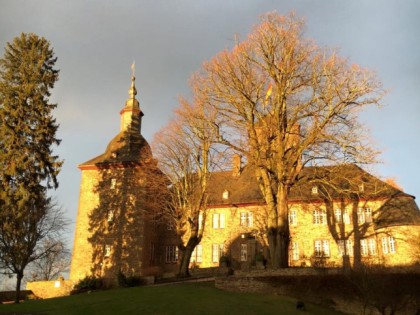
(133, 70)
(132, 92)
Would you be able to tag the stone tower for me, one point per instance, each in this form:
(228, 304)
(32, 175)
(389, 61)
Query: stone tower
(113, 228)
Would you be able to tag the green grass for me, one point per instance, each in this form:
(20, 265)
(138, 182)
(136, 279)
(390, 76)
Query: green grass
(187, 298)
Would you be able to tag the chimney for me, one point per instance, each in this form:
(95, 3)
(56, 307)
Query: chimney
(236, 165)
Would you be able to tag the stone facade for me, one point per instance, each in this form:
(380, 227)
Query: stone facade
(115, 230)
(376, 227)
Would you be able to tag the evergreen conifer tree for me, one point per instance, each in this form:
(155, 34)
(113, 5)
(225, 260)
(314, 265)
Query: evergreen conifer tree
(28, 167)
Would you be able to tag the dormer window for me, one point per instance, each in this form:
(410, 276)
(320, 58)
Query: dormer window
(225, 195)
(314, 190)
(361, 187)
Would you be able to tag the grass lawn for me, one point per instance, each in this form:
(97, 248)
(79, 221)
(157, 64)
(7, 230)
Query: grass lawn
(186, 298)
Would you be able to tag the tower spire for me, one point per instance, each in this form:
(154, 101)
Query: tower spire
(131, 111)
(132, 91)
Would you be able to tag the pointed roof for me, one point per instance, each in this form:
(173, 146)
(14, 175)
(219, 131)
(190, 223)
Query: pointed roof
(128, 145)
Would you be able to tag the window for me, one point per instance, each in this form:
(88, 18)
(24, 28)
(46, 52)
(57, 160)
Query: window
(342, 216)
(110, 215)
(200, 221)
(218, 221)
(368, 247)
(295, 250)
(246, 219)
(113, 183)
(314, 190)
(293, 217)
(217, 252)
(197, 254)
(320, 216)
(171, 254)
(107, 251)
(225, 195)
(364, 215)
(244, 252)
(345, 247)
(322, 248)
(388, 245)
(362, 187)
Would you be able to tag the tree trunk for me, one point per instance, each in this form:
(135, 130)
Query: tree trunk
(186, 257)
(19, 277)
(279, 235)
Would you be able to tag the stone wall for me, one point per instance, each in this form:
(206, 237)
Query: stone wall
(50, 289)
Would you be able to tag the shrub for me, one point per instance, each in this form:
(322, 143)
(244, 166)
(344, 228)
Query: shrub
(130, 281)
(88, 283)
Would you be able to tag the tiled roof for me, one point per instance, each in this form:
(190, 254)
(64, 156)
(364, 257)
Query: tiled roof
(343, 181)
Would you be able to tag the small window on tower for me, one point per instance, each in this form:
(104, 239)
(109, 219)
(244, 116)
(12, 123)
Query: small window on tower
(110, 216)
(107, 250)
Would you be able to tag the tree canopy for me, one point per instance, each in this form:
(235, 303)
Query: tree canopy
(284, 103)
(28, 167)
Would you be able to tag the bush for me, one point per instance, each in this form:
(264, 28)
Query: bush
(130, 281)
(88, 283)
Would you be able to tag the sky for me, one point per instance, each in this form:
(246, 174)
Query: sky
(96, 42)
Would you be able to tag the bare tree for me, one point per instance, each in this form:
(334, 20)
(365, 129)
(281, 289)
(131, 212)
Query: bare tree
(186, 154)
(23, 238)
(54, 263)
(283, 103)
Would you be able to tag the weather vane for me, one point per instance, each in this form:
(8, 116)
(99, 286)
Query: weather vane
(133, 68)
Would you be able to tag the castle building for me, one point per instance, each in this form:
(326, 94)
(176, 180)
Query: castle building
(113, 229)
(338, 215)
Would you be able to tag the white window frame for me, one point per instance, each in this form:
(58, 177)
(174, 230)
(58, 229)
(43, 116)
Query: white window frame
(368, 247)
(171, 254)
(319, 216)
(314, 190)
(244, 252)
(364, 215)
(341, 216)
(200, 221)
(217, 252)
(218, 220)
(322, 248)
(346, 217)
(372, 247)
(388, 245)
(293, 217)
(197, 254)
(345, 247)
(246, 219)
